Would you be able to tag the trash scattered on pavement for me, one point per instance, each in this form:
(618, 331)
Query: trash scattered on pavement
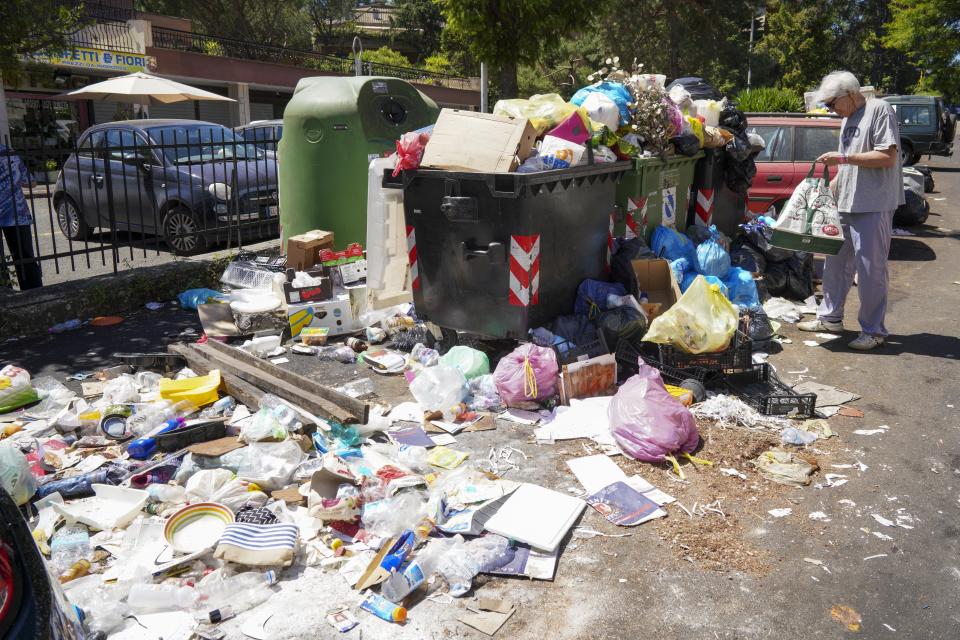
(847, 616)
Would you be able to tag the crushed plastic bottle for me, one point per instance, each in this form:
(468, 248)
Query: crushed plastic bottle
(68, 546)
(460, 561)
(69, 325)
(425, 355)
(149, 598)
(154, 416)
(241, 592)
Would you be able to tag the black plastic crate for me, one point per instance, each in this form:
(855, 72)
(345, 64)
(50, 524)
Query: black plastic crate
(761, 389)
(627, 356)
(569, 352)
(735, 358)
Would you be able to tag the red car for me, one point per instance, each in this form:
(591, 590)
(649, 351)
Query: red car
(792, 143)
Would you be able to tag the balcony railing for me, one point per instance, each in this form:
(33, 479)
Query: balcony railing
(164, 38)
(108, 35)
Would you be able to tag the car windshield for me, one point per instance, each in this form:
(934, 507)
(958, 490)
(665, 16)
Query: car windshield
(183, 144)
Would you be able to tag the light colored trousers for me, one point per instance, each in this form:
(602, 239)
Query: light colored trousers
(864, 253)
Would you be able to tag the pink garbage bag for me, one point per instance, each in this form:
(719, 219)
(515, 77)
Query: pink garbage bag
(647, 422)
(528, 374)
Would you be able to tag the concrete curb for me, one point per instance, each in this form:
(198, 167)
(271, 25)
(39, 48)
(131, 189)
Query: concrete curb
(33, 312)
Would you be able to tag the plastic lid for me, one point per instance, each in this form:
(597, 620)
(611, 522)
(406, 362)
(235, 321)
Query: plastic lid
(399, 614)
(271, 576)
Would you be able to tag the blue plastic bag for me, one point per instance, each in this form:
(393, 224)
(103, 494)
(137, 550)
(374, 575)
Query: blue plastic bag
(681, 267)
(190, 298)
(692, 275)
(613, 90)
(592, 297)
(742, 288)
(668, 243)
(712, 258)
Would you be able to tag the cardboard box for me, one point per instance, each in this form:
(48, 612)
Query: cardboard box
(334, 314)
(588, 378)
(303, 251)
(299, 295)
(655, 278)
(483, 142)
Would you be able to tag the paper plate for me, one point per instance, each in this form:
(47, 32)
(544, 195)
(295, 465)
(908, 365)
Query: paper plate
(105, 321)
(197, 526)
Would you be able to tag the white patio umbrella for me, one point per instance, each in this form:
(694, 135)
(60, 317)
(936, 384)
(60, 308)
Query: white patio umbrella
(142, 88)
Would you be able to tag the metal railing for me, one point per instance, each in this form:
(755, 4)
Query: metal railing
(164, 38)
(121, 196)
(108, 35)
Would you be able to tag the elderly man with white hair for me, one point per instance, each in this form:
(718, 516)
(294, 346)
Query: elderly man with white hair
(869, 187)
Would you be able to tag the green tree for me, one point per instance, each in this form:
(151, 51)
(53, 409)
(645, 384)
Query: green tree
(278, 23)
(333, 22)
(385, 55)
(34, 26)
(800, 39)
(419, 25)
(928, 33)
(507, 33)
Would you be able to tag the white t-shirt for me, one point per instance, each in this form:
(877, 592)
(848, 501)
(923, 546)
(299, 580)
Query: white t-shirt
(872, 127)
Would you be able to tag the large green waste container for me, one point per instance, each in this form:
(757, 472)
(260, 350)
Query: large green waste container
(332, 128)
(655, 192)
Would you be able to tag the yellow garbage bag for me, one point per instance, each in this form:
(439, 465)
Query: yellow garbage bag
(544, 111)
(701, 321)
(201, 390)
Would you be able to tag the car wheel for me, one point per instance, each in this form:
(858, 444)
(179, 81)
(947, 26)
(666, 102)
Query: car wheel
(907, 156)
(181, 232)
(70, 220)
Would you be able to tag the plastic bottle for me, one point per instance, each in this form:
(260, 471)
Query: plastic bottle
(155, 416)
(147, 598)
(358, 345)
(383, 608)
(242, 591)
(410, 577)
(222, 407)
(461, 561)
(143, 448)
(425, 355)
(69, 325)
(281, 411)
(82, 486)
(167, 493)
(78, 569)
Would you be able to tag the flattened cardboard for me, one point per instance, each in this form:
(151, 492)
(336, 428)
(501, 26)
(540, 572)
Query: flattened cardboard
(290, 495)
(655, 278)
(483, 142)
(216, 448)
(217, 320)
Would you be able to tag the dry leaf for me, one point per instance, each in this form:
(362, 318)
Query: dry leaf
(846, 616)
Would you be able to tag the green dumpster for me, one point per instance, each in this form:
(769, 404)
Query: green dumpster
(655, 192)
(332, 128)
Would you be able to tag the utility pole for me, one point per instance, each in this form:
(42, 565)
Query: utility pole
(484, 89)
(750, 49)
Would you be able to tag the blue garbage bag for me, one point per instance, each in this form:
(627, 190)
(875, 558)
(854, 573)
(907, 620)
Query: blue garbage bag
(190, 298)
(668, 243)
(742, 288)
(613, 90)
(592, 297)
(712, 258)
(691, 276)
(681, 267)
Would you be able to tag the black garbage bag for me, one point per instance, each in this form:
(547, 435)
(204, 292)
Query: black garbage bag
(733, 119)
(759, 329)
(792, 279)
(686, 144)
(622, 323)
(915, 211)
(759, 236)
(575, 329)
(745, 255)
(698, 234)
(624, 252)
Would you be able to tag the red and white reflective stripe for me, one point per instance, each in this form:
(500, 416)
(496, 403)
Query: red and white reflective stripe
(524, 270)
(412, 256)
(633, 206)
(704, 207)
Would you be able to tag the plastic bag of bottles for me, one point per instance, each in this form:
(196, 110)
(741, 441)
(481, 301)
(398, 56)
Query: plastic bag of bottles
(702, 321)
(439, 388)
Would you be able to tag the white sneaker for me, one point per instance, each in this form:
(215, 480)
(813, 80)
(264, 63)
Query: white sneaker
(866, 342)
(818, 325)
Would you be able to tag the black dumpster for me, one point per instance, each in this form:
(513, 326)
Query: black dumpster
(498, 254)
(711, 200)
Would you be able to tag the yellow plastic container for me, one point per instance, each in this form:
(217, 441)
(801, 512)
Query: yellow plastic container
(201, 390)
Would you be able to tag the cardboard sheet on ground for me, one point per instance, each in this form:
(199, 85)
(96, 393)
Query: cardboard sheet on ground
(537, 516)
(216, 448)
(827, 396)
(491, 615)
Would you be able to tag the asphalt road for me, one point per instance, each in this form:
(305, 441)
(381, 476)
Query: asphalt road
(95, 256)
(904, 583)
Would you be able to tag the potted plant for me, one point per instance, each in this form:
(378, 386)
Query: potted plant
(52, 170)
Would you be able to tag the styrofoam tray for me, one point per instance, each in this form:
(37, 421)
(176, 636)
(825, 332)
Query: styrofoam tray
(111, 508)
(537, 516)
